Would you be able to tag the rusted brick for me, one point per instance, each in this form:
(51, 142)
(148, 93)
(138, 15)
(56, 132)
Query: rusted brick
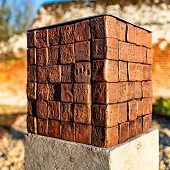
(104, 137)
(53, 55)
(139, 108)
(147, 88)
(82, 93)
(31, 73)
(54, 129)
(131, 90)
(131, 33)
(42, 56)
(105, 115)
(105, 93)
(83, 133)
(122, 111)
(138, 90)
(82, 30)
(67, 54)
(31, 107)
(67, 34)
(123, 132)
(149, 56)
(139, 126)
(42, 91)
(146, 106)
(105, 48)
(139, 72)
(41, 109)
(67, 74)
(121, 30)
(31, 56)
(42, 127)
(41, 74)
(123, 71)
(132, 107)
(123, 91)
(54, 74)
(82, 72)
(67, 112)
(68, 131)
(132, 71)
(55, 92)
(42, 38)
(54, 36)
(54, 110)
(132, 129)
(82, 51)
(30, 39)
(105, 70)
(147, 72)
(82, 113)
(146, 123)
(31, 124)
(67, 93)
(31, 90)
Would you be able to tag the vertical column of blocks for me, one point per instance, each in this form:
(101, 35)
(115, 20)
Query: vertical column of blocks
(89, 81)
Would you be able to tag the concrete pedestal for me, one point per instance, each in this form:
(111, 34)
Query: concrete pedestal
(45, 153)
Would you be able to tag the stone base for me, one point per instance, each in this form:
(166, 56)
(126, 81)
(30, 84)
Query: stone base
(138, 153)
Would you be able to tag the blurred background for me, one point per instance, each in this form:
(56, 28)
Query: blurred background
(18, 16)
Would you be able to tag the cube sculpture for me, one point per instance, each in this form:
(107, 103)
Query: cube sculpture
(89, 81)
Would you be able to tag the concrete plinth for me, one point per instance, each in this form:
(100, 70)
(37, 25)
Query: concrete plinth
(45, 153)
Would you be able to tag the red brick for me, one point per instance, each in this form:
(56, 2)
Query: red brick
(31, 39)
(149, 56)
(41, 109)
(67, 93)
(67, 112)
(41, 74)
(67, 75)
(31, 74)
(147, 88)
(147, 72)
(31, 124)
(31, 90)
(123, 91)
(133, 53)
(131, 90)
(82, 73)
(42, 38)
(139, 108)
(82, 93)
(146, 123)
(31, 56)
(131, 33)
(31, 107)
(105, 48)
(68, 131)
(105, 115)
(146, 106)
(54, 36)
(139, 36)
(149, 40)
(55, 92)
(83, 133)
(150, 105)
(53, 55)
(82, 31)
(67, 54)
(132, 129)
(132, 71)
(122, 110)
(104, 137)
(42, 127)
(82, 113)
(105, 70)
(82, 51)
(54, 74)
(139, 72)
(141, 54)
(132, 107)
(42, 91)
(139, 126)
(138, 90)
(105, 93)
(150, 120)
(67, 34)
(54, 110)
(54, 128)
(123, 71)
(123, 132)
(121, 30)
(42, 56)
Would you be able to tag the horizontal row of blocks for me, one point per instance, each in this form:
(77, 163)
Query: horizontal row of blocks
(87, 134)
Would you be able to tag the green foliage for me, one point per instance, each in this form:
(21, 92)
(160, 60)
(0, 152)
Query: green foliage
(162, 106)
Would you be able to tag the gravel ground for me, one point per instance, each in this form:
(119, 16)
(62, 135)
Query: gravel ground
(12, 144)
